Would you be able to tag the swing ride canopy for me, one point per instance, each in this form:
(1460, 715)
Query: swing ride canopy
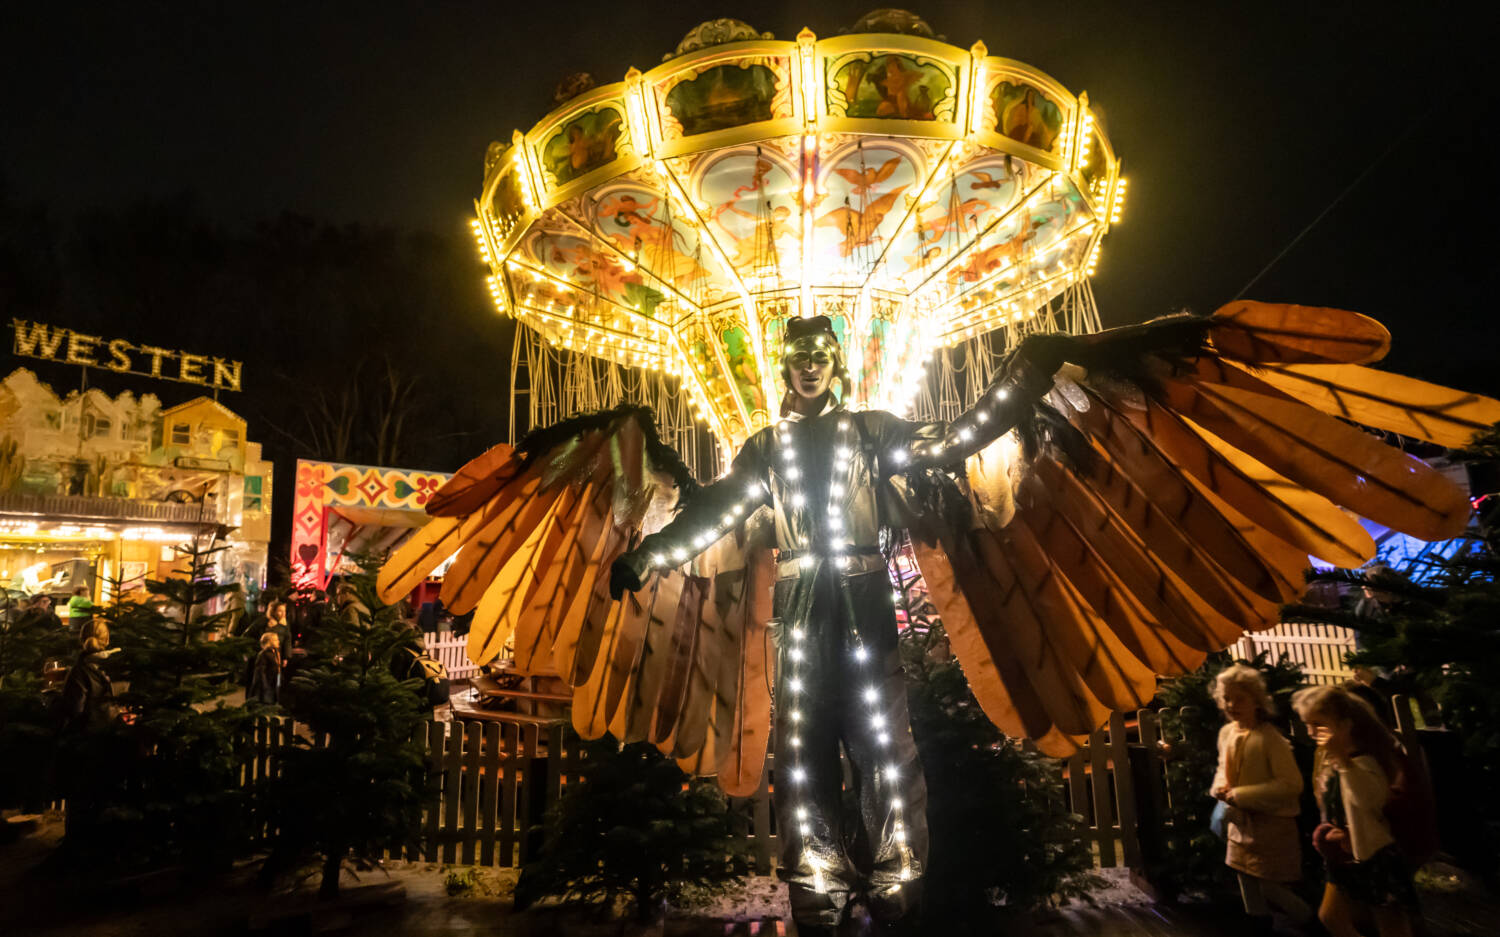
(918, 194)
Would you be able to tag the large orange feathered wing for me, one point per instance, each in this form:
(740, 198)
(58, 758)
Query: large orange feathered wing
(1199, 481)
(684, 664)
(1199, 486)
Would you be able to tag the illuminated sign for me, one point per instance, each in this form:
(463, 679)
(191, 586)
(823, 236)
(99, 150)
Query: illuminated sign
(35, 340)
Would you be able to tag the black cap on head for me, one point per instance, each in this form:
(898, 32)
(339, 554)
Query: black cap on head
(811, 326)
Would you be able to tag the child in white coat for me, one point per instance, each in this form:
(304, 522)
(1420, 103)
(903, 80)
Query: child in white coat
(1258, 779)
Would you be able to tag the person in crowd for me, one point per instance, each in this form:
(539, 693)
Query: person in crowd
(346, 603)
(1258, 781)
(429, 615)
(87, 695)
(1374, 690)
(265, 674)
(1356, 762)
(254, 625)
(80, 612)
(16, 609)
(43, 607)
(461, 623)
(277, 624)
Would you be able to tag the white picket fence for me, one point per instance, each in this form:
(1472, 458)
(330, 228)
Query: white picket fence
(450, 652)
(1320, 649)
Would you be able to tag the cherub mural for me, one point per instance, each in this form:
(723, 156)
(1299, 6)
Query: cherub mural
(584, 143)
(892, 86)
(722, 97)
(1025, 114)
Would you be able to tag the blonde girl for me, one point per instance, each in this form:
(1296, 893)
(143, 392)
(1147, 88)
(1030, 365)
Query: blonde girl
(1357, 760)
(1258, 779)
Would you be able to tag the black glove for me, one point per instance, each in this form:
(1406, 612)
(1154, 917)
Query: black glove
(623, 578)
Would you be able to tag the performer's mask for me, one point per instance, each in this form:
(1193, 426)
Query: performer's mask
(812, 342)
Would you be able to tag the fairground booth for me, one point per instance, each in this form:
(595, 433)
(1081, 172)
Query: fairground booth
(342, 512)
(96, 489)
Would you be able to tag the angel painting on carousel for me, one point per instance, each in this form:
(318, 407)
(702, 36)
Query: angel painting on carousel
(1114, 507)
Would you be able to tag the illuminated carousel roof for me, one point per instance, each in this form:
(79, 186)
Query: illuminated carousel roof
(917, 193)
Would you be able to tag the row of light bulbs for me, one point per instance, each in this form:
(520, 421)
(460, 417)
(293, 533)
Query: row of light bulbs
(837, 538)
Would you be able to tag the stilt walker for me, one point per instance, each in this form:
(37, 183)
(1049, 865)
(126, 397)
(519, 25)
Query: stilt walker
(839, 686)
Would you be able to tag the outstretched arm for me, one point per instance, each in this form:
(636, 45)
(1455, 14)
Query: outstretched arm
(1025, 377)
(711, 513)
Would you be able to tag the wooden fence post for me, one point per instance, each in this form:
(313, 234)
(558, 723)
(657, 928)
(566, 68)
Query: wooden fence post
(469, 793)
(434, 791)
(530, 805)
(1119, 756)
(511, 746)
(760, 813)
(452, 781)
(489, 787)
(1099, 783)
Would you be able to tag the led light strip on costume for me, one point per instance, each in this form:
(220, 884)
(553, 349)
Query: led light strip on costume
(796, 653)
(838, 544)
(710, 535)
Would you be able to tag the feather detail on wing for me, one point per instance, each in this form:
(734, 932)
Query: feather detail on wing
(683, 664)
(1216, 455)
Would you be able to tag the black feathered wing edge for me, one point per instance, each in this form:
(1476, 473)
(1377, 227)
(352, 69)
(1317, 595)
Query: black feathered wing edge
(1194, 465)
(683, 664)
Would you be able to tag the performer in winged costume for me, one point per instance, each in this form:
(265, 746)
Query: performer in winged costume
(1115, 506)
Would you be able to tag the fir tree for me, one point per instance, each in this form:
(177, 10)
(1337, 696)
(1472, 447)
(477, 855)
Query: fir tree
(163, 783)
(353, 782)
(636, 828)
(997, 835)
(27, 642)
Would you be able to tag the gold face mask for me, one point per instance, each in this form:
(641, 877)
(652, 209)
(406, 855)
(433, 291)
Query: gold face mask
(799, 360)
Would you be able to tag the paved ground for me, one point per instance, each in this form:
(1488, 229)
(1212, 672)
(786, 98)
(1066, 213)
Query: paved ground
(34, 900)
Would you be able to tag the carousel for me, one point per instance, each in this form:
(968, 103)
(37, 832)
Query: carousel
(654, 235)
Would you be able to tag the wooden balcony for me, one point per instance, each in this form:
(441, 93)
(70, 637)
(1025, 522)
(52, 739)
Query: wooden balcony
(95, 510)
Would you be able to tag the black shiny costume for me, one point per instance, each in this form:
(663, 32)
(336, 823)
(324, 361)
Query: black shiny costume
(838, 675)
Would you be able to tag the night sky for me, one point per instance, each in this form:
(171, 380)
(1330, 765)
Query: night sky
(1237, 124)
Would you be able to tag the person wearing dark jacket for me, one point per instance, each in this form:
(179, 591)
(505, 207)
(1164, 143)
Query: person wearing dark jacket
(87, 694)
(265, 673)
(839, 683)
